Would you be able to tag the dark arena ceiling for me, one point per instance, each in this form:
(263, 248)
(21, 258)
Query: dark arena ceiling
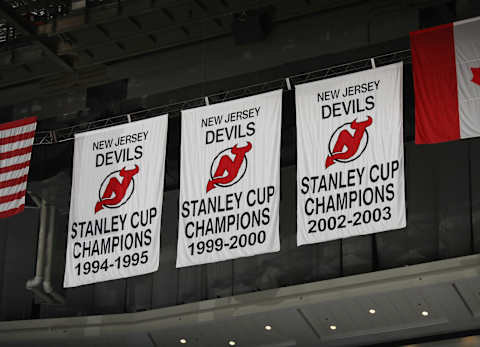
(44, 38)
(61, 50)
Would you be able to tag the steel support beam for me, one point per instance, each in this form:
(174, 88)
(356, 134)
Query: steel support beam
(7, 13)
(66, 134)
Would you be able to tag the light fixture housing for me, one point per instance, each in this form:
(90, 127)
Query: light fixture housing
(268, 327)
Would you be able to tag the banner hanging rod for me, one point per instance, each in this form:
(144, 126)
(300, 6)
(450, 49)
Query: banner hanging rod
(287, 82)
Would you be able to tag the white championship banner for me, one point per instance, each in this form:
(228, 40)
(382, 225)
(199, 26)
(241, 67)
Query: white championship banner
(350, 171)
(116, 202)
(230, 180)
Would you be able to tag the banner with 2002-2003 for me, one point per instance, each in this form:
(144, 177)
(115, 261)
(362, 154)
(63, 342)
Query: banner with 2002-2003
(116, 202)
(350, 176)
(230, 180)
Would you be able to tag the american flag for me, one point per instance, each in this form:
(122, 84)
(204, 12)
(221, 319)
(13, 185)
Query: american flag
(16, 140)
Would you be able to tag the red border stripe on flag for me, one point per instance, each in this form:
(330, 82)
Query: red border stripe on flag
(14, 181)
(14, 167)
(15, 153)
(11, 197)
(13, 211)
(435, 85)
(18, 123)
(15, 138)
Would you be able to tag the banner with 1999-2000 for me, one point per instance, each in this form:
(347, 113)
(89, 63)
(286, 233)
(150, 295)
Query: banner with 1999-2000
(230, 180)
(350, 171)
(116, 202)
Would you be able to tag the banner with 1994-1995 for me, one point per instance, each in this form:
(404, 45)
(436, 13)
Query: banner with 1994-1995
(116, 202)
(230, 180)
(350, 171)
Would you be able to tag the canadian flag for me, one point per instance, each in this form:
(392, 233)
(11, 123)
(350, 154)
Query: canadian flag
(446, 75)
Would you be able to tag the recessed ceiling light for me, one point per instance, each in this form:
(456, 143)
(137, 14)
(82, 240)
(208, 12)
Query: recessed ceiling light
(333, 327)
(268, 327)
(372, 311)
(232, 343)
(425, 313)
(183, 341)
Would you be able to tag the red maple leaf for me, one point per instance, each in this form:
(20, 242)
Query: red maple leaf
(476, 75)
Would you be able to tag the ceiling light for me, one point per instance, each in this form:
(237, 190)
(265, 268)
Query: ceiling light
(268, 327)
(425, 313)
(232, 343)
(372, 311)
(183, 341)
(333, 327)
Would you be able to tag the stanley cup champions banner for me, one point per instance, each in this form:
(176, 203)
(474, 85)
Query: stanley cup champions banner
(230, 180)
(116, 202)
(350, 176)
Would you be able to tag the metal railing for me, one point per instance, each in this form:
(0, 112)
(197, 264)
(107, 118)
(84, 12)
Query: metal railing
(173, 109)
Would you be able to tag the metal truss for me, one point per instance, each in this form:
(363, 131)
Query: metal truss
(355, 66)
(66, 134)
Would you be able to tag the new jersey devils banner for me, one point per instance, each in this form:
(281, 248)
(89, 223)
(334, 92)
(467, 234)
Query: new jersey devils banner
(116, 202)
(230, 180)
(350, 155)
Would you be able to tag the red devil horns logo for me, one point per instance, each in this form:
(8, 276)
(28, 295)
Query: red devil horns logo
(231, 167)
(346, 139)
(115, 191)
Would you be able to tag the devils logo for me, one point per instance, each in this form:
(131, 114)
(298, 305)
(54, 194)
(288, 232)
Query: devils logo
(355, 144)
(113, 193)
(235, 169)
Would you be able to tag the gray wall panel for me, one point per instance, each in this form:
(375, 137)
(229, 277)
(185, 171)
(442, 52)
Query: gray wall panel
(3, 250)
(19, 264)
(421, 193)
(139, 293)
(357, 255)
(109, 297)
(453, 185)
(475, 192)
(328, 258)
(165, 280)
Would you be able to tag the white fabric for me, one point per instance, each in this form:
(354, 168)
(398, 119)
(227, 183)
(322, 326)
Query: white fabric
(12, 204)
(347, 185)
(13, 189)
(15, 160)
(467, 56)
(13, 174)
(231, 228)
(124, 247)
(16, 145)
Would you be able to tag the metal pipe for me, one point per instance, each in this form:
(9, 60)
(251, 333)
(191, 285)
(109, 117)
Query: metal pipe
(47, 285)
(35, 283)
(35, 199)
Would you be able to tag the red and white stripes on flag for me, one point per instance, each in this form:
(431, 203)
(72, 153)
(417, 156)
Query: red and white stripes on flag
(446, 73)
(16, 140)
